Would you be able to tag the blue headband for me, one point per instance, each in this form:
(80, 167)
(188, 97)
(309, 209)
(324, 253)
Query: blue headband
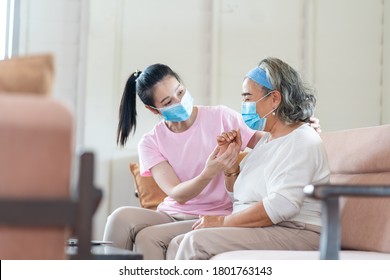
(259, 76)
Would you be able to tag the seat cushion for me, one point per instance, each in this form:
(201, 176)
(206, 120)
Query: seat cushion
(296, 255)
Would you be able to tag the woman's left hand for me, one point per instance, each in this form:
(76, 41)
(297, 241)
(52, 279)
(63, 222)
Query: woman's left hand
(315, 123)
(208, 221)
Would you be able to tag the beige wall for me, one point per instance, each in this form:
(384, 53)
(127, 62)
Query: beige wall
(348, 62)
(340, 46)
(386, 65)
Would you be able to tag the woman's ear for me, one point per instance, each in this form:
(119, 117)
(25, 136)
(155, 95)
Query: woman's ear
(276, 98)
(153, 110)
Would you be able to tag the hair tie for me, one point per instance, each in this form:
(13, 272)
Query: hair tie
(137, 73)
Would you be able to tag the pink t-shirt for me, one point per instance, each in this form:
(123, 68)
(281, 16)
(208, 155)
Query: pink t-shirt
(187, 153)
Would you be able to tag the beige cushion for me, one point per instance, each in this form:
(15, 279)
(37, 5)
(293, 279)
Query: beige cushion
(29, 74)
(149, 193)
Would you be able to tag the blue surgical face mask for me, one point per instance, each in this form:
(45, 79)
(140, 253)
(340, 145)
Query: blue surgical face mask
(179, 112)
(250, 116)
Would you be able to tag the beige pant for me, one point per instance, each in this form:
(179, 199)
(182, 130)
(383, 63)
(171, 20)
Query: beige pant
(208, 242)
(145, 231)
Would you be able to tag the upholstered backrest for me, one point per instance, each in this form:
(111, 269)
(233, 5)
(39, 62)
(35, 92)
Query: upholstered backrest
(28, 74)
(362, 156)
(35, 162)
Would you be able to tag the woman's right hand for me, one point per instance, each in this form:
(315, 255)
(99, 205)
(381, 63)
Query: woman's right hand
(219, 161)
(226, 138)
(225, 154)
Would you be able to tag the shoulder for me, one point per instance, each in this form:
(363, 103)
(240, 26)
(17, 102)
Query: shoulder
(149, 139)
(307, 132)
(306, 137)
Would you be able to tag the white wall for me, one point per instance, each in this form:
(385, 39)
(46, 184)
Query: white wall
(341, 47)
(348, 62)
(54, 27)
(336, 45)
(246, 32)
(172, 32)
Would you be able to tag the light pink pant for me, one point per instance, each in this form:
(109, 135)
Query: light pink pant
(208, 242)
(145, 231)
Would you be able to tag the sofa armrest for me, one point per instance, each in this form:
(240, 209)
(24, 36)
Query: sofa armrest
(329, 195)
(75, 212)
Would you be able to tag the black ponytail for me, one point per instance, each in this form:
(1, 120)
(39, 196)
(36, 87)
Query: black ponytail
(127, 110)
(141, 83)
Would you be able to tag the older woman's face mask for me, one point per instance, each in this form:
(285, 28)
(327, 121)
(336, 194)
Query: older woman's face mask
(250, 116)
(248, 109)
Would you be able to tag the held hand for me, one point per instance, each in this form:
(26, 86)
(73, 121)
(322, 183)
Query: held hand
(235, 137)
(238, 139)
(208, 222)
(218, 161)
(226, 138)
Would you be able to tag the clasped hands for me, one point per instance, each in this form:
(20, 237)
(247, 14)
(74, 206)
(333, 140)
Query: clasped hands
(223, 158)
(225, 154)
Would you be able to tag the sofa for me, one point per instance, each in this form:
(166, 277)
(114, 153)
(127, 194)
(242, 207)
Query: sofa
(357, 199)
(39, 207)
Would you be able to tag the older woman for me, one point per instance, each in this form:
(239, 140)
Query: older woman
(270, 210)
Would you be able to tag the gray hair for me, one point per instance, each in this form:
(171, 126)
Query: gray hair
(298, 100)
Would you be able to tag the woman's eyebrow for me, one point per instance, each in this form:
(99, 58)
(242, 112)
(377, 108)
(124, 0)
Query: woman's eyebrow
(177, 87)
(165, 98)
(168, 95)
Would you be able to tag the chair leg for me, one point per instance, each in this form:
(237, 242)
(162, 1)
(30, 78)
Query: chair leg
(85, 206)
(330, 235)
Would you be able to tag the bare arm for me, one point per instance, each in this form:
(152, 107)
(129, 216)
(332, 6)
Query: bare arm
(166, 178)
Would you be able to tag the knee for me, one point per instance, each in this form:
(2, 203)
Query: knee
(147, 235)
(121, 227)
(191, 247)
(149, 243)
(120, 223)
(118, 217)
(173, 247)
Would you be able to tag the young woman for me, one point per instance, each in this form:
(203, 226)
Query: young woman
(182, 155)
